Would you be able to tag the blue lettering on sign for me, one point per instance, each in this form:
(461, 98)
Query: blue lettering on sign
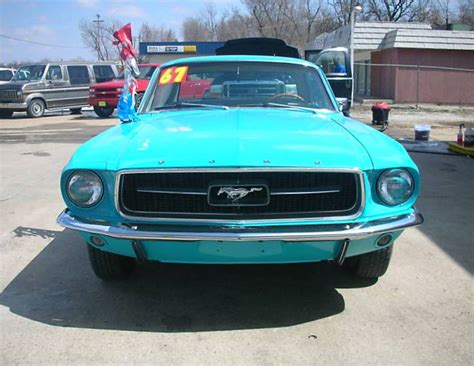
(171, 49)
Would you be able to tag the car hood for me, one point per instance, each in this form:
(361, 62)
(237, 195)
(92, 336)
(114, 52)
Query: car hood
(15, 85)
(245, 137)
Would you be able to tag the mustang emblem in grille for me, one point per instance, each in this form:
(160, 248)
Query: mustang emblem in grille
(236, 194)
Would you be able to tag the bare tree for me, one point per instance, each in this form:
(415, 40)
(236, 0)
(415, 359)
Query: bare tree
(466, 13)
(209, 25)
(271, 17)
(150, 33)
(193, 29)
(343, 9)
(399, 10)
(235, 24)
(295, 21)
(100, 39)
(210, 21)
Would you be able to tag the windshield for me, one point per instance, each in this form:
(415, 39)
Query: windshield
(5, 75)
(239, 84)
(30, 72)
(146, 72)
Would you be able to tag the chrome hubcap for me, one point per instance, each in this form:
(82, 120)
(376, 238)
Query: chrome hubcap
(37, 108)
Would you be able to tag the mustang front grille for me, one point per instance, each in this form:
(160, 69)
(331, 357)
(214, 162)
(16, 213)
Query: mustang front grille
(239, 195)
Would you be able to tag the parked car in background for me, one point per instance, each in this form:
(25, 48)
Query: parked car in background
(6, 74)
(55, 85)
(104, 97)
(259, 166)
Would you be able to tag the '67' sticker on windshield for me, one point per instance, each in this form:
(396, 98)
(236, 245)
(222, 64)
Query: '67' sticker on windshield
(173, 75)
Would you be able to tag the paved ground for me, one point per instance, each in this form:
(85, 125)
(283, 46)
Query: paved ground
(54, 311)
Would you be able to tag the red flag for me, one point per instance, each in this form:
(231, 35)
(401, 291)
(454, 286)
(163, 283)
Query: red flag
(123, 37)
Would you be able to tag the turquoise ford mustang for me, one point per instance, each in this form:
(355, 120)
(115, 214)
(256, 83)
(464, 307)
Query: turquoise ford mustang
(240, 159)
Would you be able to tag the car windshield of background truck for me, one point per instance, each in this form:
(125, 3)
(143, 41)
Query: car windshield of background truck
(146, 72)
(30, 72)
(5, 75)
(239, 84)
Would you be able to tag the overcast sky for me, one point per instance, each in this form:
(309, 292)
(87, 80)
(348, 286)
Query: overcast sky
(56, 22)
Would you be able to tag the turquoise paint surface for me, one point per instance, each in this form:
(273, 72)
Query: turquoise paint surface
(241, 137)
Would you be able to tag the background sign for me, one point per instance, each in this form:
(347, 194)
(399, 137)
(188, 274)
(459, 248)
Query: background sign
(171, 49)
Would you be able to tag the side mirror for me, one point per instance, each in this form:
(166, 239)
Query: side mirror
(344, 106)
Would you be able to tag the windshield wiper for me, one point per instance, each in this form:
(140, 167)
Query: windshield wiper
(190, 105)
(287, 106)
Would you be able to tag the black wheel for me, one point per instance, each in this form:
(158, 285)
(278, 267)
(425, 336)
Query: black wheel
(109, 266)
(104, 112)
(370, 265)
(138, 100)
(75, 110)
(5, 113)
(36, 108)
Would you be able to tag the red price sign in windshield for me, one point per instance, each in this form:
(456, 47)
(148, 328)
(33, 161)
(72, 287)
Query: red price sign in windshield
(173, 75)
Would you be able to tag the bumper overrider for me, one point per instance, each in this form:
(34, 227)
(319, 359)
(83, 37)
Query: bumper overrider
(327, 232)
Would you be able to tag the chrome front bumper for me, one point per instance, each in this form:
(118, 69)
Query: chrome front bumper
(13, 105)
(327, 232)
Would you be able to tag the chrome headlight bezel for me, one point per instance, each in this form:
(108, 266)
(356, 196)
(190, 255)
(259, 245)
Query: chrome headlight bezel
(92, 186)
(395, 176)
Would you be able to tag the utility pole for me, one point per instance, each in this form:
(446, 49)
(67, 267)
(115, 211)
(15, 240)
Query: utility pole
(356, 9)
(98, 21)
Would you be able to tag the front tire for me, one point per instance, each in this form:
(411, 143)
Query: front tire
(110, 266)
(370, 265)
(36, 108)
(104, 112)
(5, 113)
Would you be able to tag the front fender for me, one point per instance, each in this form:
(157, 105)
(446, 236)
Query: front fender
(36, 95)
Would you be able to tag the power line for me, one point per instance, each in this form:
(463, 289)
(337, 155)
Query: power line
(38, 43)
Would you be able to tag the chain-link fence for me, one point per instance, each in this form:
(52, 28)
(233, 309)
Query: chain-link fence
(414, 83)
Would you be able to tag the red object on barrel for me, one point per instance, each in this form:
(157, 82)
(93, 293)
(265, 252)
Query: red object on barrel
(380, 111)
(381, 105)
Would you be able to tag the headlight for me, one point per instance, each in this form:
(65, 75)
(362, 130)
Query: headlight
(18, 93)
(395, 186)
(84, 188)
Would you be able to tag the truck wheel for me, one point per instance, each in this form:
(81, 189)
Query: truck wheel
(110, 266)
(370, 265)
(35, 108)
(75, 110)
(5, 113)
(104, 112)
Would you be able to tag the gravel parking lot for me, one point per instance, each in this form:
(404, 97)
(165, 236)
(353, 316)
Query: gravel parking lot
(53, 310)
